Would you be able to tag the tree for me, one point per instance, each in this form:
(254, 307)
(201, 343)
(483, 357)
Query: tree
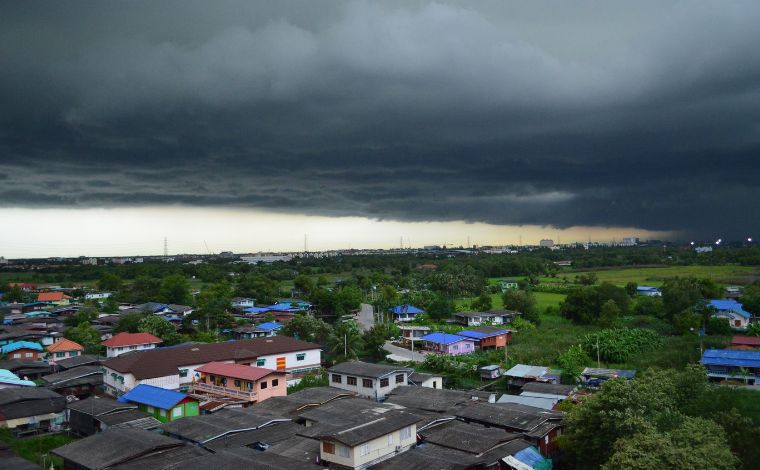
(751, 298)
(129, 323)
(213, 302)
(85, 335)
(144, 289)
(307, 328)
(110, 305)
(440, 308)
(175, 290)
(687, 321)
(14, 294)
(304, 283)
(109, 282)
(684, 293)
(609, 314)
(86, 314)
(693, 443)
(257, 286)
(718, 326)
(375, 338)
(587, 279)
(572, 362)
(482, 303)
(347, 299)
(345, 342)
(159, 327)
(581, 305)
(649, 306)
(524, 302)
(631, 288)
(753, 329)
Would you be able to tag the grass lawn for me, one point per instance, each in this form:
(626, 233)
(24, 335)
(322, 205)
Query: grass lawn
(37, 449)
(543, 300)
(656, 276)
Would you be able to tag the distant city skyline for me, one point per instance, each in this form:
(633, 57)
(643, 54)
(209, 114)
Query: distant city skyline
(141, 231)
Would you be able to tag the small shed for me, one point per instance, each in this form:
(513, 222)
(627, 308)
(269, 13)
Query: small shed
(490, 372)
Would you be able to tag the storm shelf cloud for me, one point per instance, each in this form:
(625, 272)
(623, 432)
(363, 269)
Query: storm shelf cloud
(644, 115)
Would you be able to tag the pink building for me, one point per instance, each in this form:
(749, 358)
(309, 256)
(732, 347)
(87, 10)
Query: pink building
(242, 382)
(444, 343)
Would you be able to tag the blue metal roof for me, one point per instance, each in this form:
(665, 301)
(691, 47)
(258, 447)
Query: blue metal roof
(729, 305)
(530, 456)
(406, 309)
(444, 338)
(20, 345)
(8, 377)
(728, 357)
(480, 334)
(153, 396)
(269, 326)
(647, 289)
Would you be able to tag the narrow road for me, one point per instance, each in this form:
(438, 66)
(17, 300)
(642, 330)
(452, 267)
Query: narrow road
(365, 317)
(401, 354)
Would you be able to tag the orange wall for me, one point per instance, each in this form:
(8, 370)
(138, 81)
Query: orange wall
(279, 391)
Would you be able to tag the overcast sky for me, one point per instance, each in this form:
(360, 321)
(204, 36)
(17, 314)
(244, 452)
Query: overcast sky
(584, 117)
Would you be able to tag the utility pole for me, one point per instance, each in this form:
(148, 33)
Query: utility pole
(345, 344)
(598, 361)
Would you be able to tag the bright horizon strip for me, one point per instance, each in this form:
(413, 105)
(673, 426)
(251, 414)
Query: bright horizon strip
(131, 231)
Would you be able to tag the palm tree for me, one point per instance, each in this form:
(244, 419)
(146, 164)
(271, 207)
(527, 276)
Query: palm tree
(345, 342)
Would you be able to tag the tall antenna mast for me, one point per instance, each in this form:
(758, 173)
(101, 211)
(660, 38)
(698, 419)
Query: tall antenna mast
(401, 242)
(305, 242)
(166, 247)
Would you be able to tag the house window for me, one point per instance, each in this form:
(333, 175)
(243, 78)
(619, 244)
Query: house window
(337, 378)
(455, 347)
(351, 381)
(366, 383)
(300, 357)
(263, 385)
(405, 433)
(183, 372)
(364, 450)
(17, 356)
(384, 382)
(150, 409)
(132, 348)
(275, 382)
(343, 451)
(237, 383)
(400, 378)
(121, 378)
(328, 447)
(390, 440)
(60, 354)
(261, 362)
(28, 355)
(162, 413)
(177, 412)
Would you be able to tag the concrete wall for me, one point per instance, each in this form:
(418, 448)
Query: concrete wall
(378, 449)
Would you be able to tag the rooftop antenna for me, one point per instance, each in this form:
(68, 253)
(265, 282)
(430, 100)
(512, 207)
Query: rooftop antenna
(166, 247)
(519, 243)
(468, 241)
(208, 252)
(305, 242)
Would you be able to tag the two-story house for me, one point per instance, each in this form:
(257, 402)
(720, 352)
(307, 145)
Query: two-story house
(175, 368)
(360, 446)
(63, 349)
(732, 311)
(245, 383)
(26, 350)
(488, 337)
(129, 342)
(732, 365)
(373, 381)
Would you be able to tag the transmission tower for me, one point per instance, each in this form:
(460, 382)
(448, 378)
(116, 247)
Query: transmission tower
(166, 247)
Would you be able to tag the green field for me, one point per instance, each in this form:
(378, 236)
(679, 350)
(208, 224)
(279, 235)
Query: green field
(656, 276)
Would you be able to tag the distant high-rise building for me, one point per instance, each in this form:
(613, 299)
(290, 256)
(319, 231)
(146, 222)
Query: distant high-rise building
(3, 260)
(630, 241)
(546, 243)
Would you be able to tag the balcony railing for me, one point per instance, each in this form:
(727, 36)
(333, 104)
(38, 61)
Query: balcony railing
(201, 387)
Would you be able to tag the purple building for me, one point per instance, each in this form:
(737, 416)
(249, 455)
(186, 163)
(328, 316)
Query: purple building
(445, 343)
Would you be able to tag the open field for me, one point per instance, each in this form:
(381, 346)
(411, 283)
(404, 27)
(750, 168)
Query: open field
(656, 276)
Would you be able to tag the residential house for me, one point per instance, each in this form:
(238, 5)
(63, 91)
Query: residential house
(245, 383)
(594, 377)
(548, 389)
(745, 342)
(243, 302)
(521, 374)
(129, 342)
(546, 403)
(411, 334)
(405, 312)
(78, 361)
(23, 350)
(97, 296)
(488, 337)
(27, 370)
(421, 379)
(490, 372)
(732, 311)
(164, 405)
(495, 317)
(79, 382)
(31, 409)
(123, 448)
(366, 444)
(174, 368)
(648, 291)
(444, 343)
(506, 284)
(733, 292)
(63, 349)
(732, 365)
(373, 381)
(93, 415)
(55, 298)
(10, 380)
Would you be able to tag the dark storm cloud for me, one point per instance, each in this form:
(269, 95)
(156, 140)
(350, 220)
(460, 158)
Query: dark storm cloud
(644, 115)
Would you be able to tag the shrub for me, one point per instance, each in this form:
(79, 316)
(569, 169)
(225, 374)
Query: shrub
(618, 344)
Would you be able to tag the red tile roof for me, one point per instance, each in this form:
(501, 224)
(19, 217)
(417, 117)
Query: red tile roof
(130, 339)
(51, 296)
(237, 371)
(65, 345)
(746, 340)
